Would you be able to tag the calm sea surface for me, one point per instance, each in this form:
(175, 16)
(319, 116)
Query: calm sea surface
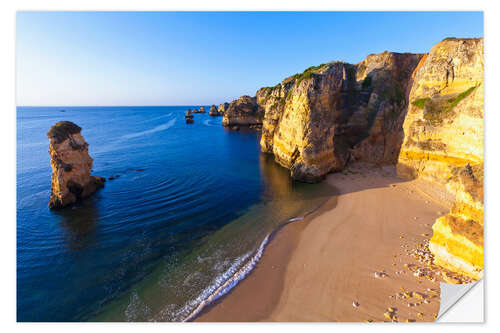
(153, 244)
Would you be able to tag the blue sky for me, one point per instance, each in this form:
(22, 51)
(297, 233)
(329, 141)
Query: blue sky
(186, 58)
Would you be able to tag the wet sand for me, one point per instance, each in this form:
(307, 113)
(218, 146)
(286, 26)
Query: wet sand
(314, 269)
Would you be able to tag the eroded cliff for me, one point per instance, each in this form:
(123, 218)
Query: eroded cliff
(71, 165)
(243, 112)
(315, 121)
(423, 112)
(443, 142)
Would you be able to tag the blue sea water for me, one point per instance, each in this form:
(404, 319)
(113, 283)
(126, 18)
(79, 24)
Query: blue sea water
(154, 244)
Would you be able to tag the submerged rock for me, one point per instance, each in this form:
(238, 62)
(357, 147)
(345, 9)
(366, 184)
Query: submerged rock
(71, 165)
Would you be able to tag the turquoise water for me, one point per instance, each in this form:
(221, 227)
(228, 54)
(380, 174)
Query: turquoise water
(156, 244)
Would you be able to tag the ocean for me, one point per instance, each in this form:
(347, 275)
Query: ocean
(188, 217)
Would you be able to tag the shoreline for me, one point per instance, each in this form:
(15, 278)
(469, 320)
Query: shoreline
(317, 268)
(281, 242)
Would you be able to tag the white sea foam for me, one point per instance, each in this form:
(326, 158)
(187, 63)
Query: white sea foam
(224, 282)
(136, 309)
(158, 128)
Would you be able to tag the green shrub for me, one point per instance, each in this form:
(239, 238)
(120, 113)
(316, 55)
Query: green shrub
(420, 103)
(452, 102)
(307, 74)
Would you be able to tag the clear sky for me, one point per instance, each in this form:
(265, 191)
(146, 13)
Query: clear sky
(186, 58)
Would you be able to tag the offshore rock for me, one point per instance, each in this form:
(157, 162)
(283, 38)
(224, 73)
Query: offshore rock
(243, 111)
(444, 143)
(189, 117)
(222, 108)
(202, 109)
(214, 112)
(71, 165)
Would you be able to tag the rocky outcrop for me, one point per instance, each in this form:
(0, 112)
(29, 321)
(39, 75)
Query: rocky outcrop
(423, 112)
(314, 121)
(71, 165)
(214, 112)
(243, 112)
(222, 108)
(443, 143)
(189, 117)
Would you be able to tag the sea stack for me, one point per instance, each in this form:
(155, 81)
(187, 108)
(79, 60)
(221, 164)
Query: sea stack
(222, 108)
(71, 165)
(213, 111)
(189, 117)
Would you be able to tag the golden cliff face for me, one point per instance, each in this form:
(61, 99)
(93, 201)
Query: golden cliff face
(443, 143)
(71, 165)
(303, 140)
(315, 121)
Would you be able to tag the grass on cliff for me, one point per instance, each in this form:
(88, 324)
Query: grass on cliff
(454, 101)
(306, 74)
(451, 102)
(62, 129)
(438, 109)
(420, 103)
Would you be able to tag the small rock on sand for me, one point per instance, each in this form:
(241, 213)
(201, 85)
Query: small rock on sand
(379, 275)
(355, 304)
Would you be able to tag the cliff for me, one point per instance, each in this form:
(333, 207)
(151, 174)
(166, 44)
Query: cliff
(214, 112)
(71, 165)
(222, 108)
(243, 112)
(443, 143)
(314, 121)
(423, 112)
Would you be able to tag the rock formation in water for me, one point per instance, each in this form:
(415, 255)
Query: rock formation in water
(214, 112)
(202, 109)
(71, 165)
(443, 143)
(189, 117)
(243, 112)
(222, 108)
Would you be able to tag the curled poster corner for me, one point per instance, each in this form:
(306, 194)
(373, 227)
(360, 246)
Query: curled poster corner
(461, 302)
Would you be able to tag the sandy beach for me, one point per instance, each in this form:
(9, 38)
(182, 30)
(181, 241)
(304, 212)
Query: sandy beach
(318, 269)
